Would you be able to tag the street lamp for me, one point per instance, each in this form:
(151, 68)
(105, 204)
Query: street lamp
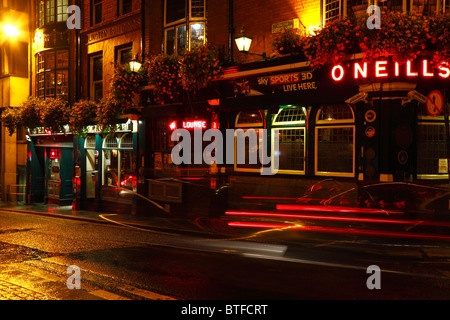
(10, 30)
(135, 65)
(243, 44)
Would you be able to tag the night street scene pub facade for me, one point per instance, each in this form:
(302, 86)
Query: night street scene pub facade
(354, 121)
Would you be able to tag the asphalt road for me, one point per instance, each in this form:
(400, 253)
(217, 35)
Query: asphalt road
(118, 262)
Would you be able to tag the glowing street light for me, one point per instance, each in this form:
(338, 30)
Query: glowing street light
(10, 30)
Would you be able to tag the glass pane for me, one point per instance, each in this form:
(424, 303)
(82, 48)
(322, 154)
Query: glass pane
(247, 151)
(97, 68)
(175, 10)
(125, 55)
(125, 6)
(62, 77)
(111, 165)
(249, 117)
(49, 84)
(291, 149)
(62, 59)
(181, 39)
(170, 41)
(336, 112)
(335, 149)
(197, 35)
(197, 8)
(290, 115)
(127, 174)
(49, 60)
(431, 144)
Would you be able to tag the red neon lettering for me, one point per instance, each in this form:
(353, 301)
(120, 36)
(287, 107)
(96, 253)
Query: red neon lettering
(379, 67)
(361, 71)
(409, 73)
(341, 73)
(173, 125)
(446, 73)
(425, 69)
(194, 124)
(397, 69)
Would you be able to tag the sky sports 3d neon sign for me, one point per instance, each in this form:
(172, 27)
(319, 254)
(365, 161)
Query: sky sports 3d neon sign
(385, 69)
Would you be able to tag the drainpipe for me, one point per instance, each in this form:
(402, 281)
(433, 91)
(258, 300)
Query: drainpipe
(230, 30)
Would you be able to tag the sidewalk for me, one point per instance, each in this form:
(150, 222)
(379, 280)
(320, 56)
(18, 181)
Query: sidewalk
(198, 226)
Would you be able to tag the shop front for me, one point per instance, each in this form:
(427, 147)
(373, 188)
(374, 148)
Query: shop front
(356, 123)
(106, 169)
(50, 169)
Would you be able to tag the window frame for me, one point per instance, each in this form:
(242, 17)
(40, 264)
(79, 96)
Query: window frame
(93, 83)
(187, 22)
(289, 125)
(246, 126)
(50, 12)
(334, 124)
(43, 72)
(96, 5)
(120, 7)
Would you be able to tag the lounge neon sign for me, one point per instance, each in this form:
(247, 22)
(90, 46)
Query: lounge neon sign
(194, 124)
(383, 69)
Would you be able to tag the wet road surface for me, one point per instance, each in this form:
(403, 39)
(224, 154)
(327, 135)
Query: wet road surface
(118, 262)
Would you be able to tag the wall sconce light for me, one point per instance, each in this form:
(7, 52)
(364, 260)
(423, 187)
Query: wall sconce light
(135, 65)
(243, 43)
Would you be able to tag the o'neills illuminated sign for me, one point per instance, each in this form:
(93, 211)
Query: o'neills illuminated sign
(384, 69)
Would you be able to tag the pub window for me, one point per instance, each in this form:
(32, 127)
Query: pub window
(52, 74)
(96, 77)
(289, 125)
(335, 141)
(124, 53)
(333, 9)
(96, 11)
(249, 120)
(184, 25)
(118, 163)
(124, 6)
(431, 146)
(51, 11)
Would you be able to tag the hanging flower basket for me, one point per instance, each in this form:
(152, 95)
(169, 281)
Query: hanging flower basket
(82, 114)
(198, 67)
(11, 119)
(108, 112)
(54, 114)
(289, 42)
(30, 113)
(163, 73)
(127, 84)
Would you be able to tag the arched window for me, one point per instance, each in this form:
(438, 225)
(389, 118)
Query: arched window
(248, 140)
(289, 125)
(335, 141)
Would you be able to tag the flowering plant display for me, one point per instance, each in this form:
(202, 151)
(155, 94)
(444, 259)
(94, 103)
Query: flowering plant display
(54, 114)
(126, 84)
(11, 119)
(109, 111)
(163, 73)
(438, 37)
(29, 115)
(289, 41)
(332, 43)
(402, 35)
(82, 113)
(198, 67)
